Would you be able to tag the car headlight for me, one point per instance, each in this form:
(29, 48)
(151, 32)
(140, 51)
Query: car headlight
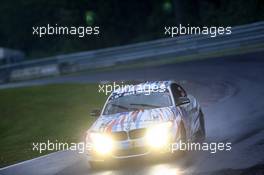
(158, 135)
(101, 143)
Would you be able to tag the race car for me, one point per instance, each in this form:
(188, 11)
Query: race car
(144, 119)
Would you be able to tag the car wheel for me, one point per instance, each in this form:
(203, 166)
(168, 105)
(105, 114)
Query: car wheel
(200, 134)
(183, 138)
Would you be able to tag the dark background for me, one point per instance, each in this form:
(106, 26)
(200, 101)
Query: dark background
(121, 22)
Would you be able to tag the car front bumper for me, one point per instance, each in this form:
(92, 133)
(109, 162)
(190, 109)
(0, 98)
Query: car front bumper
(128, 149)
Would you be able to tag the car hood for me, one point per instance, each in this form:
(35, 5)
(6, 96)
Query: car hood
(133, 120)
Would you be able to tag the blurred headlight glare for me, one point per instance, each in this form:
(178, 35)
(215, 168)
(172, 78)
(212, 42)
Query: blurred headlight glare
(102, 143)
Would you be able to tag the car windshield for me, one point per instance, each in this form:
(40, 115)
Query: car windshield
(137, 102)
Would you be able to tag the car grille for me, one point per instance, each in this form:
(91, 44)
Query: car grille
(131, 151)
(118, 136)
(137, 133)
(133, 134)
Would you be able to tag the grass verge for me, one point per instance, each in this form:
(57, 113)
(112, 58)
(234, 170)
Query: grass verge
(39, 113)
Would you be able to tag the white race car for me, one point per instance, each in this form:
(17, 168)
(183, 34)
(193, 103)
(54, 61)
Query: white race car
(137, 121)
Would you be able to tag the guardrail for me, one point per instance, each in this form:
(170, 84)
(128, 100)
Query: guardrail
(242, 36)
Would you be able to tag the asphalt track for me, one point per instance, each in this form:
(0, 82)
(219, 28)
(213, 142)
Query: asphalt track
(230, 90)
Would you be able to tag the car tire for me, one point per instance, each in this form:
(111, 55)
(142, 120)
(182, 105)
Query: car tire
(200, 134)
(183, 138)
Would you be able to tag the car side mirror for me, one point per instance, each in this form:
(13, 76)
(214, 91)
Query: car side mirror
(182, 101)
(95, 112)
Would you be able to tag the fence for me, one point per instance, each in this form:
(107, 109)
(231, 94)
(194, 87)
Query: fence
(241, 37)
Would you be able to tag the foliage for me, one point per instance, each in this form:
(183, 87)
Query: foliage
(121, 22)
